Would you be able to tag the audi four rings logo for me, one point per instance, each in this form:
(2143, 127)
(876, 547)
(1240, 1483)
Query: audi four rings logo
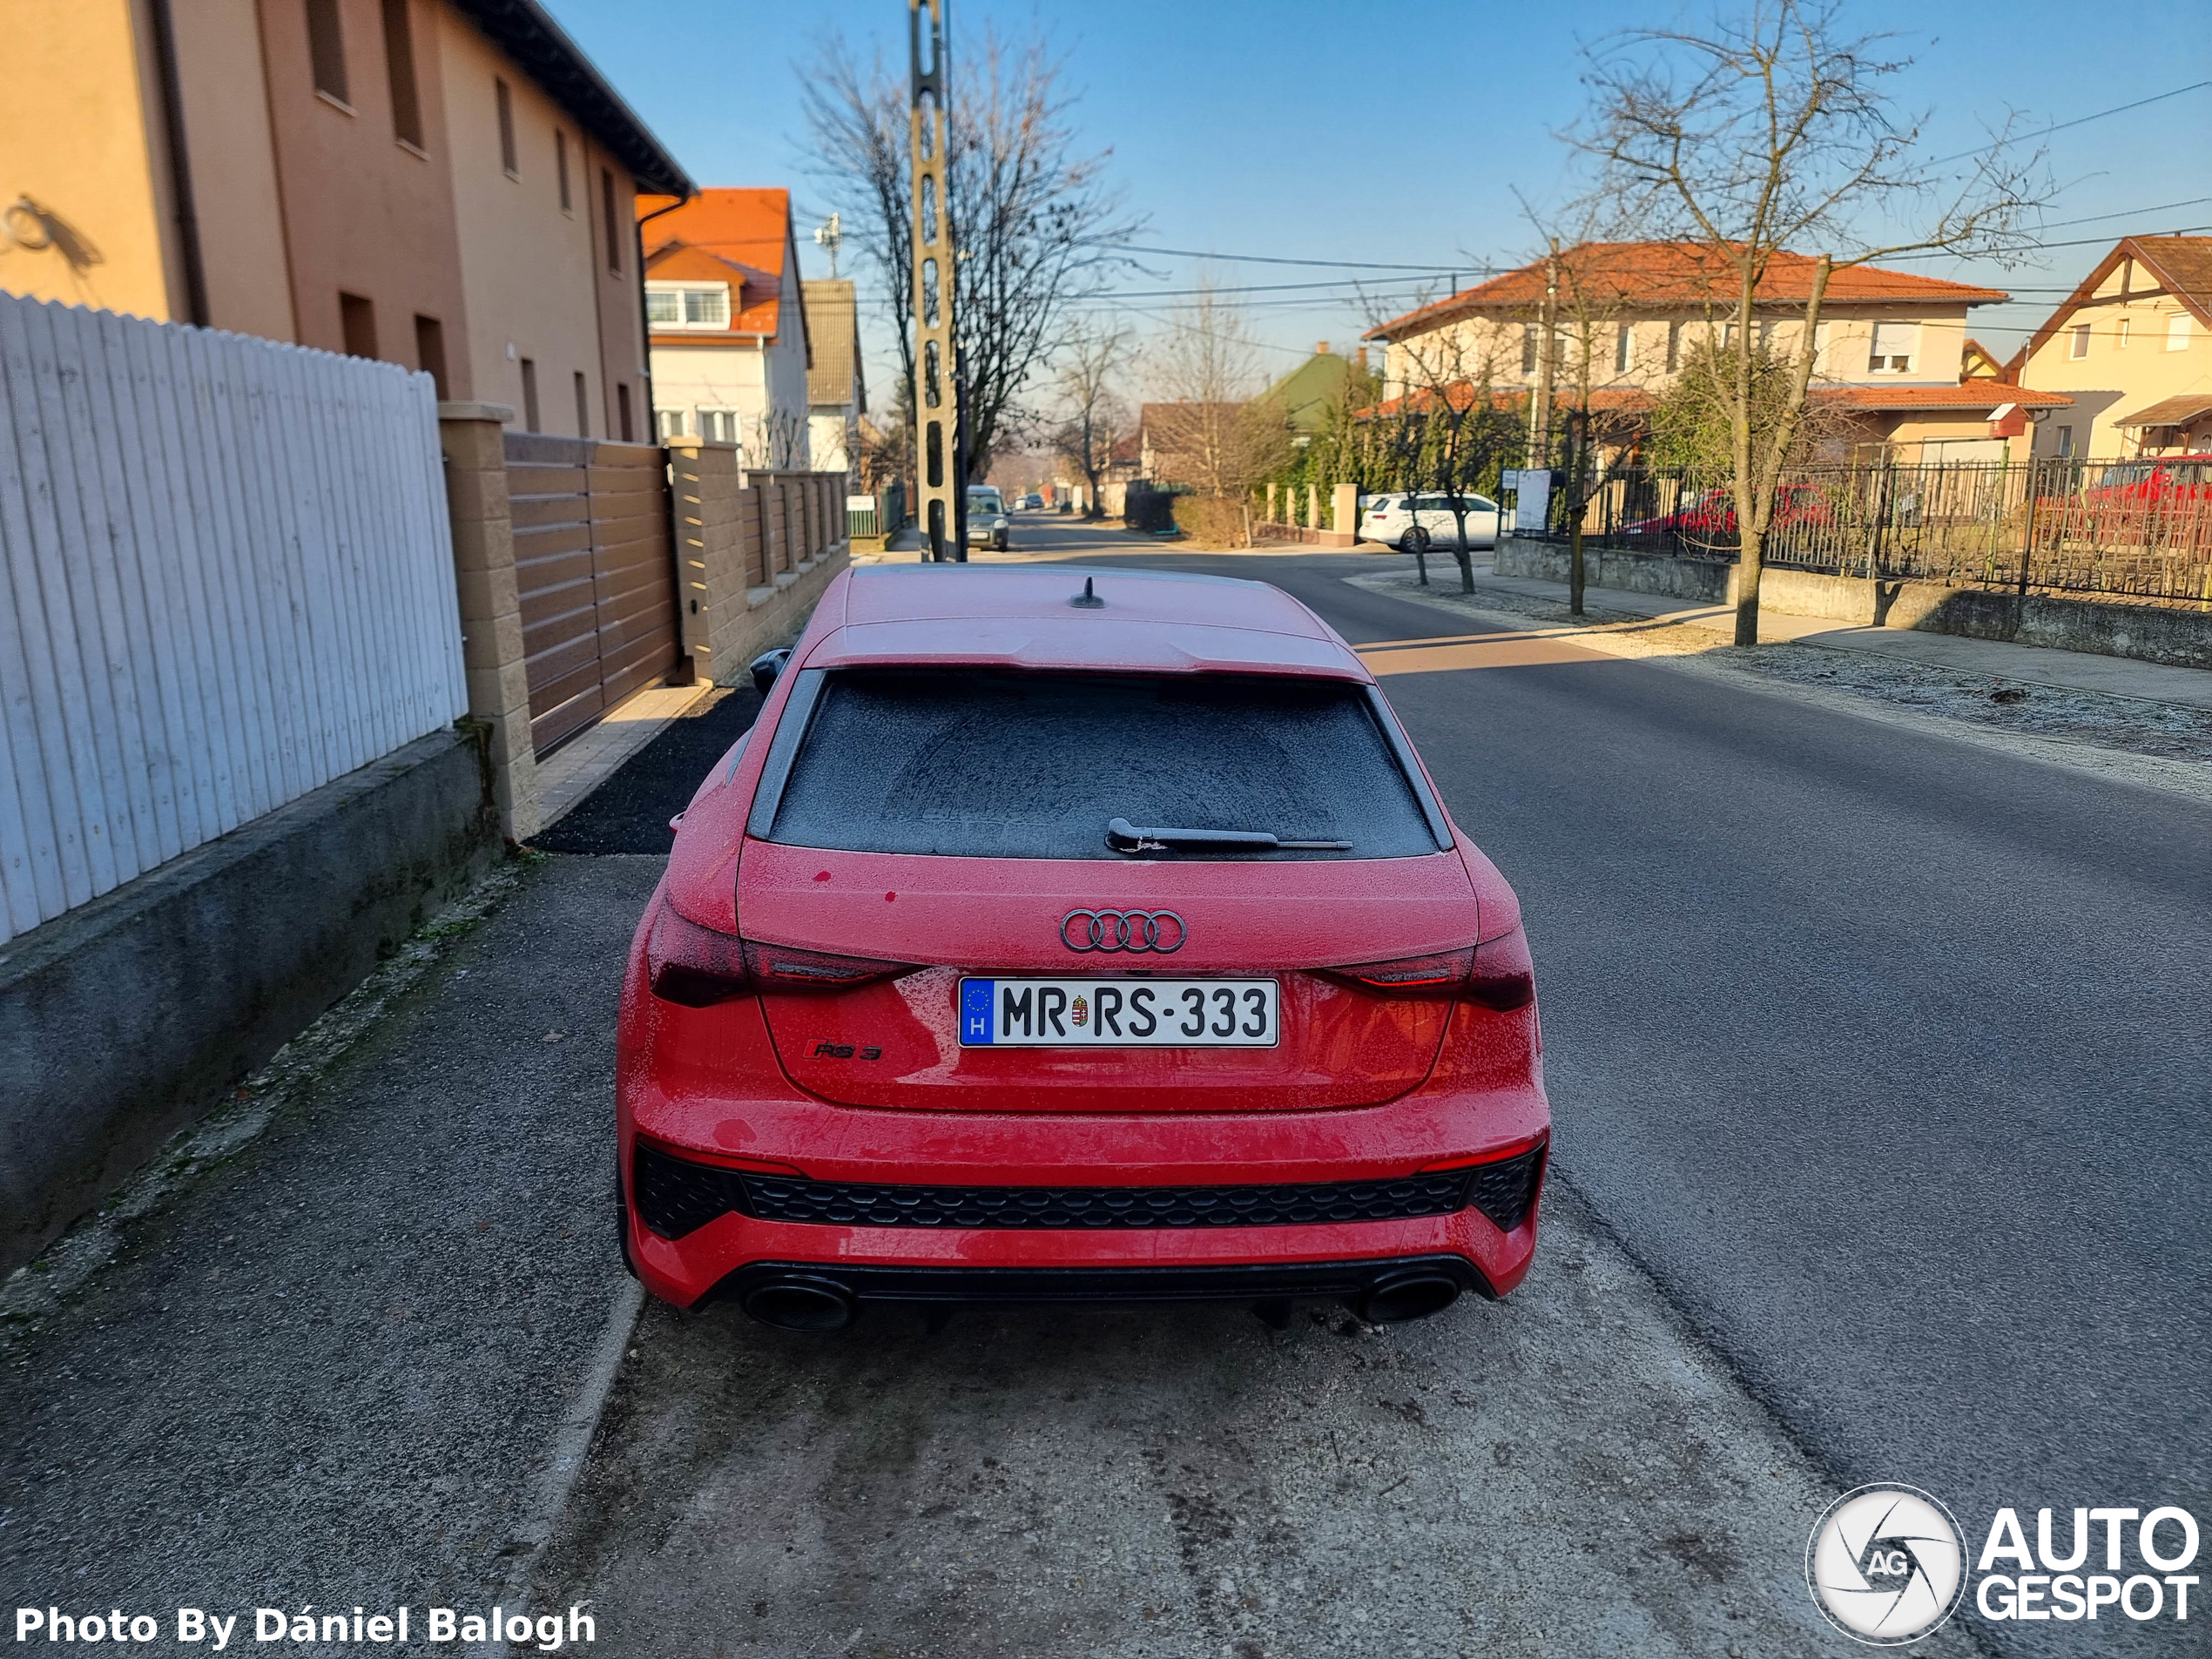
(1131, 930)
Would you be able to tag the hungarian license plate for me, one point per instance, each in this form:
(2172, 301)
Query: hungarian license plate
(1119, 1013)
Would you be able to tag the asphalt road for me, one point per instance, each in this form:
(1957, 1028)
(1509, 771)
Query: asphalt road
(1890, 1058)
(1879, 1063)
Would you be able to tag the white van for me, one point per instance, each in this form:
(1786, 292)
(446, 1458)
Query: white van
(1410, 522)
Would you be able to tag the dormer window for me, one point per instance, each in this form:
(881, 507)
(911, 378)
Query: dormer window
(676, 305)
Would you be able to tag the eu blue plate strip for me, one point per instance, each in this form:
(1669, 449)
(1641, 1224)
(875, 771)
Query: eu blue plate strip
(975, 1009)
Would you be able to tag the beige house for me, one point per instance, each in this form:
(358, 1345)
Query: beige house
(1892, 357)
(2133, 347)
(837, 392)
(730, 342)
(442, 184)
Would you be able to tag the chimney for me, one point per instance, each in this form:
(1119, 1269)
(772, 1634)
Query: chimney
(1360, 357)
(1321, 349)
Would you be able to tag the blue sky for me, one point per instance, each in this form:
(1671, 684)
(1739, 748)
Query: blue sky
(1396, 130)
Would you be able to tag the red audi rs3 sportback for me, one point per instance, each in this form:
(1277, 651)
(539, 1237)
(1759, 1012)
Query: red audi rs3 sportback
(1070, 938)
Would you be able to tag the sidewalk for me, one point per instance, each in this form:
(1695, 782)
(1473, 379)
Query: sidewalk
(594, 755)
(2071, 670)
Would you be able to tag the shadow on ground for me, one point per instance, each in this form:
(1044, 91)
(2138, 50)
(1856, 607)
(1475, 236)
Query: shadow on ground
(630, 811)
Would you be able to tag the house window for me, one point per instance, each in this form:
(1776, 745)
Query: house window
(621, 410)
(2177, 332)
(1894, 344)
(668, 424)
(2079, 345)
(687, 305)
(718, 426)
(1622, 339)
(529, 396)
(1528, 348)
(561, 167)
(506, 102)
(2066, 441)
(2120, 335)
(583, 406)
(1673, 347)
(614, 231)
(327, 50)
(430, 352)
(357, 325)
(399, 69)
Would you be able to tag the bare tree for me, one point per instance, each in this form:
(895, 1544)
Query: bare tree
(1449, 429)
(1221, 435)
(1035, 223)
(1770, 135)
(1093, 417)
(1585, 300)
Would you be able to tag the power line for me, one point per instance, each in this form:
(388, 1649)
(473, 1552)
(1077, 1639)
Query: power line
(2085, 241)
(2130, 212)
(2078, 121)
(1270, 259)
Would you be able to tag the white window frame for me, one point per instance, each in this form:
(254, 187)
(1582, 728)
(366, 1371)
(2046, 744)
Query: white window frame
(667, 424)
(708, 416)
(1892, 361)
(684, 291)
(2078, 343)
(2178, 332)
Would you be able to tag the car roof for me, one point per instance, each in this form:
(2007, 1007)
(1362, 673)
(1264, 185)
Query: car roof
(1023, 617)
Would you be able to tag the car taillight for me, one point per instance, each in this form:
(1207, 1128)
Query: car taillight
(1497, 973)
(1504, 976)
(695, 966)
(698, 967)
(1433, 975)
(780, 968)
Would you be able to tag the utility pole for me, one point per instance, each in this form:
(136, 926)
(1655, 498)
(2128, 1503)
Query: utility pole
(940, 492)
(830, 235)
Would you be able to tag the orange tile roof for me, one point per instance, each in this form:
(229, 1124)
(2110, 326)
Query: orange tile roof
(1659, 274)
(746, 228)
(1629, 400)
(1604, 400)
(1982, 393)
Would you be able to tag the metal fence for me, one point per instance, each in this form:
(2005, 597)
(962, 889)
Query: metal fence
(229, 580)
(2131, 530)
(881, 514)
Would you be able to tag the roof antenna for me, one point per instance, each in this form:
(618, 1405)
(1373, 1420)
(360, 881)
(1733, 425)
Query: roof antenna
(1087, 600)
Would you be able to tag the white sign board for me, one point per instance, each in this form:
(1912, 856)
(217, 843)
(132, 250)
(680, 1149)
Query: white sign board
(1531, 498)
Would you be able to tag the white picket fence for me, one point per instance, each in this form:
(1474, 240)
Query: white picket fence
(229, 580)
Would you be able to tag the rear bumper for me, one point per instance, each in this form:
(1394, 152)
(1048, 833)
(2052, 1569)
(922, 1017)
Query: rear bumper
(730, 1108)
(734, 1253)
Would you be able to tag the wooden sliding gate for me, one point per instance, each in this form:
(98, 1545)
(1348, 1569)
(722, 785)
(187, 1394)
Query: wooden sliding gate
(595, 573)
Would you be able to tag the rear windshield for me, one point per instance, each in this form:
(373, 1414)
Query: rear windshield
(983, 764)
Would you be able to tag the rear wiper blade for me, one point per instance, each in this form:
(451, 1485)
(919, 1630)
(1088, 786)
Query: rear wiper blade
(1124, 837)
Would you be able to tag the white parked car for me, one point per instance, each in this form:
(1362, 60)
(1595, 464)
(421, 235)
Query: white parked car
(1409, 523)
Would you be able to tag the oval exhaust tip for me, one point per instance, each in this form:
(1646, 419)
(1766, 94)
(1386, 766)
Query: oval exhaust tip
(1407, 1296)
(801, 1304)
